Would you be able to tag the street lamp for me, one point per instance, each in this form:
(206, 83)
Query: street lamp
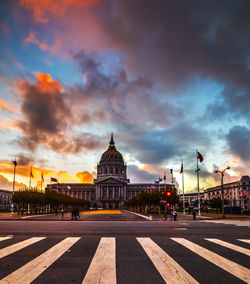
(222, 190)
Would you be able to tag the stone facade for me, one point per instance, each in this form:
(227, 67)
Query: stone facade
(236, 193)
(5, 199)
(111, 188)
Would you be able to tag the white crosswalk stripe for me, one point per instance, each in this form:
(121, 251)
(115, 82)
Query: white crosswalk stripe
(244, 240)
(103, 266)
(5, 238)
(30, 271)
(230, 246)
(13, 248)
(170, 270)
(234, 268)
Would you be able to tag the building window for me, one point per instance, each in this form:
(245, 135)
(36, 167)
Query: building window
(116, 192)
(104, 192)
(110, 192)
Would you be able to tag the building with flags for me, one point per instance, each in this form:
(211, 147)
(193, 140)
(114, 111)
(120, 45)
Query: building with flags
(112, 187)
(237, 193)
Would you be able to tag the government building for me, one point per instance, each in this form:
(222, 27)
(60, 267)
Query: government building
(111, 188)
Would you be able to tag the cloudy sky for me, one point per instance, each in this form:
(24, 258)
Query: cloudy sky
(167, 77)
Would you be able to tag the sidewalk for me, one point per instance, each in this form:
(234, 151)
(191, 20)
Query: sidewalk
(125, 216)
(204, 216)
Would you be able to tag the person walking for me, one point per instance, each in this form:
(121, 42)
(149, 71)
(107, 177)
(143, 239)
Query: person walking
(77, 216)
(62, 211)
(194, 214)
(73, 214)
(175, 215)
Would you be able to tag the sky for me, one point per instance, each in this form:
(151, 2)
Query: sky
(166, 77)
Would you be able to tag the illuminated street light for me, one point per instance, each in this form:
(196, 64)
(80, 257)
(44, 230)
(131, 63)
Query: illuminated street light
(222, 190)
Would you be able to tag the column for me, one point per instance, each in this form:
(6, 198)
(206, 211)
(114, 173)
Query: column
(113, 192)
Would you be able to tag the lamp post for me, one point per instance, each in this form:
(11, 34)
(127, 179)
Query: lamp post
(222, 190)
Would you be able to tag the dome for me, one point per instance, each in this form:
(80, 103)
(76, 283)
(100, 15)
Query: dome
(111, 154)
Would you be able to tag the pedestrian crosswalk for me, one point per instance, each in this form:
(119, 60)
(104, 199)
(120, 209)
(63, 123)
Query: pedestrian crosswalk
(237, 270)
(103, 267)
(170, 270)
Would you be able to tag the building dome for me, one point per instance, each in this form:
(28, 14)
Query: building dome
(111, 154)
(112, 163)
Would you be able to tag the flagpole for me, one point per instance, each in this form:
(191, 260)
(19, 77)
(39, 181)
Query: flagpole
(172, 179)
(30, 178)
(198, 185)
(13, 190)
(184, 210)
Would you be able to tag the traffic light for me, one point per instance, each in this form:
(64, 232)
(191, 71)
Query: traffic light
(168, 193)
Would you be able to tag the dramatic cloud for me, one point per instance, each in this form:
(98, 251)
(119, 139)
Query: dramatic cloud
(49, 119)
(6, 184)
(85, 177)
(31, 38)
(134, 173)
(239, 142)
(42, 9)
(7, 107)
(120, 97)
(166, 77)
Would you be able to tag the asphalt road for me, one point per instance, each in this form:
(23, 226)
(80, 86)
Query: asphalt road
(123, 252)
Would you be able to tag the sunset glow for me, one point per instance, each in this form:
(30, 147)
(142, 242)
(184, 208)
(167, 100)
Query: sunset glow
(73, 71)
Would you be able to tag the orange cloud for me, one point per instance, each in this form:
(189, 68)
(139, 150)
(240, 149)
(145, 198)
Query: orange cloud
(23, 175)
(85, 177)
(42, 9)
(8, 123)
(6, 167)
(31, 38)
(8, 184)
(7, 107)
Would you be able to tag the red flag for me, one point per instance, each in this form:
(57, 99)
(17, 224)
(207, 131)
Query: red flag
(181, 171)
(199, 156)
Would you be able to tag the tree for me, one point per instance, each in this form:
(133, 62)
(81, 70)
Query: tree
(216, 203)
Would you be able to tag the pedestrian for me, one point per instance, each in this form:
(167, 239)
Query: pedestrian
(175, 214)
(73, 214)
(77, 216)
(194, 214)
(62, 211)
(165, 214)
(56, 211)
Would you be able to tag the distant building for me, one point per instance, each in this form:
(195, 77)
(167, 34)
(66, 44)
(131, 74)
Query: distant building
(236, 193)
(191, 197)
(5, 199)
(111, 188)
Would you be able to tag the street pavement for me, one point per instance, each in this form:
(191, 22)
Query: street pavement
(124, 251)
